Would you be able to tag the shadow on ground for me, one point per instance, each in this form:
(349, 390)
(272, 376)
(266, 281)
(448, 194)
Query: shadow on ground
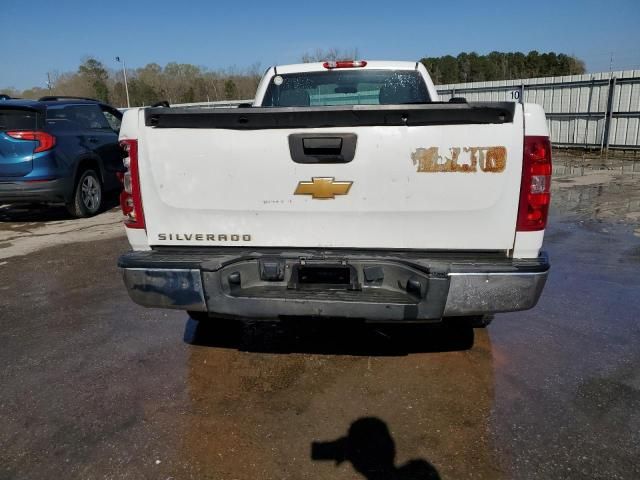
(43, 212)
(327, 336)
(371, 450)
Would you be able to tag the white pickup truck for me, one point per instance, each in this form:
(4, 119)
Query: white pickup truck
(348, 189)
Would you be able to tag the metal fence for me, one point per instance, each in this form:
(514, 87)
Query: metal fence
(597, 111)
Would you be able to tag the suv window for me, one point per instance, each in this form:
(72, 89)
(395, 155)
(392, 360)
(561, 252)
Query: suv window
(347, 87)
(18, 119)
(114, 118)
(85, 117)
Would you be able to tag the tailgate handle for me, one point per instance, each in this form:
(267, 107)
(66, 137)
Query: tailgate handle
(322, 147)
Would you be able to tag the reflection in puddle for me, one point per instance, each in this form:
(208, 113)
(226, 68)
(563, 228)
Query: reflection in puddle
(571, 167)
(597, 189)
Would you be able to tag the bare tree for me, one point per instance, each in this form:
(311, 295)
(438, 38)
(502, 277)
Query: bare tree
(331, 54)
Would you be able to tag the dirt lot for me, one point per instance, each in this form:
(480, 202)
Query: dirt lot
(94, 387)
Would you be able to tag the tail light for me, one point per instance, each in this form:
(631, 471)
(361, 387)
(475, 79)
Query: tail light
(130, 198)
(45, 140)
(345, 64)
(535, 193)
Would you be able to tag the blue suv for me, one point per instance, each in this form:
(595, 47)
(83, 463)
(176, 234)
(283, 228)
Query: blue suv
(59, 150)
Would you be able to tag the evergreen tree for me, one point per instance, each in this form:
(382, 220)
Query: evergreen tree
(97, 76)
(471, 67)
(230, 90)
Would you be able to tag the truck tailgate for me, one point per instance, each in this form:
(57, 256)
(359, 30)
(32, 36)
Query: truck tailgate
(428, 185)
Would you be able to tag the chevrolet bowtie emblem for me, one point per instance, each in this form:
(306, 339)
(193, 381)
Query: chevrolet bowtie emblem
(323, 188)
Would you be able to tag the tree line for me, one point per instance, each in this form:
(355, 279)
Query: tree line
(186, 83)
(471, 67)
(175, 82)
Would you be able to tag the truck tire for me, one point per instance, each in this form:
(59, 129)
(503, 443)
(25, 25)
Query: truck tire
(87, 197)
(198, 316)
(480, 321)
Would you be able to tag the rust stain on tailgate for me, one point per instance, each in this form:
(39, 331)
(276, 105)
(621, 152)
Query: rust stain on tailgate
(461, 159)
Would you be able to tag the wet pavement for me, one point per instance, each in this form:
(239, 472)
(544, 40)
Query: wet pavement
(93, 386)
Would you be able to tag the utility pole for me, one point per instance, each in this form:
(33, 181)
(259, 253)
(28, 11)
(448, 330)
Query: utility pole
(49, 82)
(610, 64)
(124, 73)
(215, 90)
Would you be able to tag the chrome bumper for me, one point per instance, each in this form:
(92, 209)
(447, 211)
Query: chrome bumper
(482, 293)
(166, 288)
(450, 289)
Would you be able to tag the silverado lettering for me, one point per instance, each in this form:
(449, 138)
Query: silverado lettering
(200, 237)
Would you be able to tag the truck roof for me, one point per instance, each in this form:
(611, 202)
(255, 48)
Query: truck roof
(371, 65)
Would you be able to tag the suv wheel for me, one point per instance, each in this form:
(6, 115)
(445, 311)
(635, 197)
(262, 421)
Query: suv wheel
(87, 196)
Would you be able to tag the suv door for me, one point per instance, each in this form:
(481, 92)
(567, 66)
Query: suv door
(100, 138)
(89, 128)
(89, 131)
(113, 152)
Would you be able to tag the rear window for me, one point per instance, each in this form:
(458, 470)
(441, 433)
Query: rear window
(18, 119)
(85, 117)
(346, 87)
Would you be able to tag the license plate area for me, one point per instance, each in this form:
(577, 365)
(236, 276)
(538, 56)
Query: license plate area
(324, 276)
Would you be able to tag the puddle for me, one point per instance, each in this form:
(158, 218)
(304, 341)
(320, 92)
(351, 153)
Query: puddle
(597, 189)
(572, 167)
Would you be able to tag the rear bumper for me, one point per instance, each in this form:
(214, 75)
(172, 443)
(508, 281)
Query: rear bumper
(385, 286)
(17, 191)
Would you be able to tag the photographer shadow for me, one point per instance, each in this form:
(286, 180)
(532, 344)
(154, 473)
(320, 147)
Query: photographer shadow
(370, 449)
(327, 336)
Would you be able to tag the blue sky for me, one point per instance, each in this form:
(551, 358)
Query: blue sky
(41, 36)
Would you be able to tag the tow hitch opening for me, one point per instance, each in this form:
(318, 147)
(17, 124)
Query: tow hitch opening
(310, 276)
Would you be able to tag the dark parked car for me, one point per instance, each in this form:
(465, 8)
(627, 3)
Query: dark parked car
(59, 150)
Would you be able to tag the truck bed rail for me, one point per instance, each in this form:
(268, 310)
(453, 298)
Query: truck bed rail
(257, 118)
